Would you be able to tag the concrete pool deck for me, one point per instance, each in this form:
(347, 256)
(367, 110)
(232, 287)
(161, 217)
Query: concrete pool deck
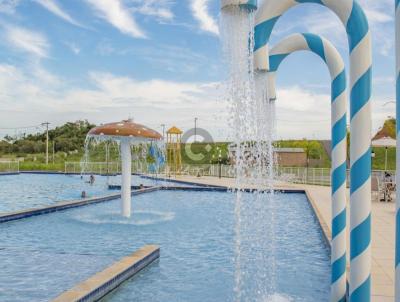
(383, 229)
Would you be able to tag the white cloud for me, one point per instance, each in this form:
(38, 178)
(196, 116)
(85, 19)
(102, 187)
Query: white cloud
(305, 114)
(160, 9)
(200, 10)
(115, 12)
(302, 113)
(377, 11)
(42, 96)
(322, 21)
(111, 97)
(54, 7)
(176, 59)
(26, 40)
(73, 47)
(8, 6)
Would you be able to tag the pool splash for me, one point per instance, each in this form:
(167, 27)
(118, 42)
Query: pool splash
(138, 218)
(279, 298)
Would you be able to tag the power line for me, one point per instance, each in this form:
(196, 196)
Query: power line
(16, 128)
(303, 122)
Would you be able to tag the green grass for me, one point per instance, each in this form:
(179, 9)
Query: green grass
(37, 161)
(210, 153)
(378, 162)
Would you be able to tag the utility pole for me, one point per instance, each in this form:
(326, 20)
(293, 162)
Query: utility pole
(163, 131)
(54, 151)
(47, 141)
(195, 129)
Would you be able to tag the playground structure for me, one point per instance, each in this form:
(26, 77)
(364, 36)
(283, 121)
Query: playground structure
(174, 155)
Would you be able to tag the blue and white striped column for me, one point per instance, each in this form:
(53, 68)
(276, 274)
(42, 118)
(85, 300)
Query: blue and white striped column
(397, 260)
(359, 38)
(328, 53)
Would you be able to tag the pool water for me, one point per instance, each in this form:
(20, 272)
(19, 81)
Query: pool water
(24, 191)
(42, 256)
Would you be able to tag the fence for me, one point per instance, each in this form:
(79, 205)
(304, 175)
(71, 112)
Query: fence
(9, 166)
(92, 167)
(299, 175)
(318, 176)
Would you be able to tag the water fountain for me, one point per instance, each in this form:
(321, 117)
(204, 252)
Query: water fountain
(126, 133)
(251, 119)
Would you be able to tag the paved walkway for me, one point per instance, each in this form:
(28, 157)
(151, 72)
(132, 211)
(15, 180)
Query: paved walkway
(383, 232)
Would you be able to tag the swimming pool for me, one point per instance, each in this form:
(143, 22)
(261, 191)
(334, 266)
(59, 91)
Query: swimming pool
(24, 191)
(42, 256)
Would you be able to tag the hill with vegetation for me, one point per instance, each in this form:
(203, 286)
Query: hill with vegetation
(68, 144)
(69, 137)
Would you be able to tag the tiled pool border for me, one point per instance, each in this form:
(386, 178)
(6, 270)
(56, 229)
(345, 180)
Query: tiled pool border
(61, 206)
(102, 283)
(64, 205)
(327, 234)
(8, 173)
(184, 182)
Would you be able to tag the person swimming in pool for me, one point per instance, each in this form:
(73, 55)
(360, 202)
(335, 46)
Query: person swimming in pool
(92, 179)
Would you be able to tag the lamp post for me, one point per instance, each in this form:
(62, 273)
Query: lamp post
(47, 141)
(386, 156)
(220, 164)
(195, 129)
(54, 150)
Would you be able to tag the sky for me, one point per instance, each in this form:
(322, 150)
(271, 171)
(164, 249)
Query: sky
(159, 62)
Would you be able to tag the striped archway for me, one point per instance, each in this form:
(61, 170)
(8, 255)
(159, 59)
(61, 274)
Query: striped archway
(359, 39)
(328, 53)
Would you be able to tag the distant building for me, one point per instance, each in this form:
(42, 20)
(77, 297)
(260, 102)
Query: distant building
(284, 157)
(291, 157)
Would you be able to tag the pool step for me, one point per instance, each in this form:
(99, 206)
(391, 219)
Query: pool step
(99, 285)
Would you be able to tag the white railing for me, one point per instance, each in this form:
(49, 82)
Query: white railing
(318, 176)
(9, 166)
(92, 167)
(302, 175)
(299, 175)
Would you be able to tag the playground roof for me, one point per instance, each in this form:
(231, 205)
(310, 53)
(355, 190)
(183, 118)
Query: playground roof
(174, 130)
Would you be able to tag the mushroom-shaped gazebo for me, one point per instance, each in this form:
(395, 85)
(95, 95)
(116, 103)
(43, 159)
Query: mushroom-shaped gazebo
(126, 133)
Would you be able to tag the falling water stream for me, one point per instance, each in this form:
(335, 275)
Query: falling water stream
(252, 120)
(147, 157)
